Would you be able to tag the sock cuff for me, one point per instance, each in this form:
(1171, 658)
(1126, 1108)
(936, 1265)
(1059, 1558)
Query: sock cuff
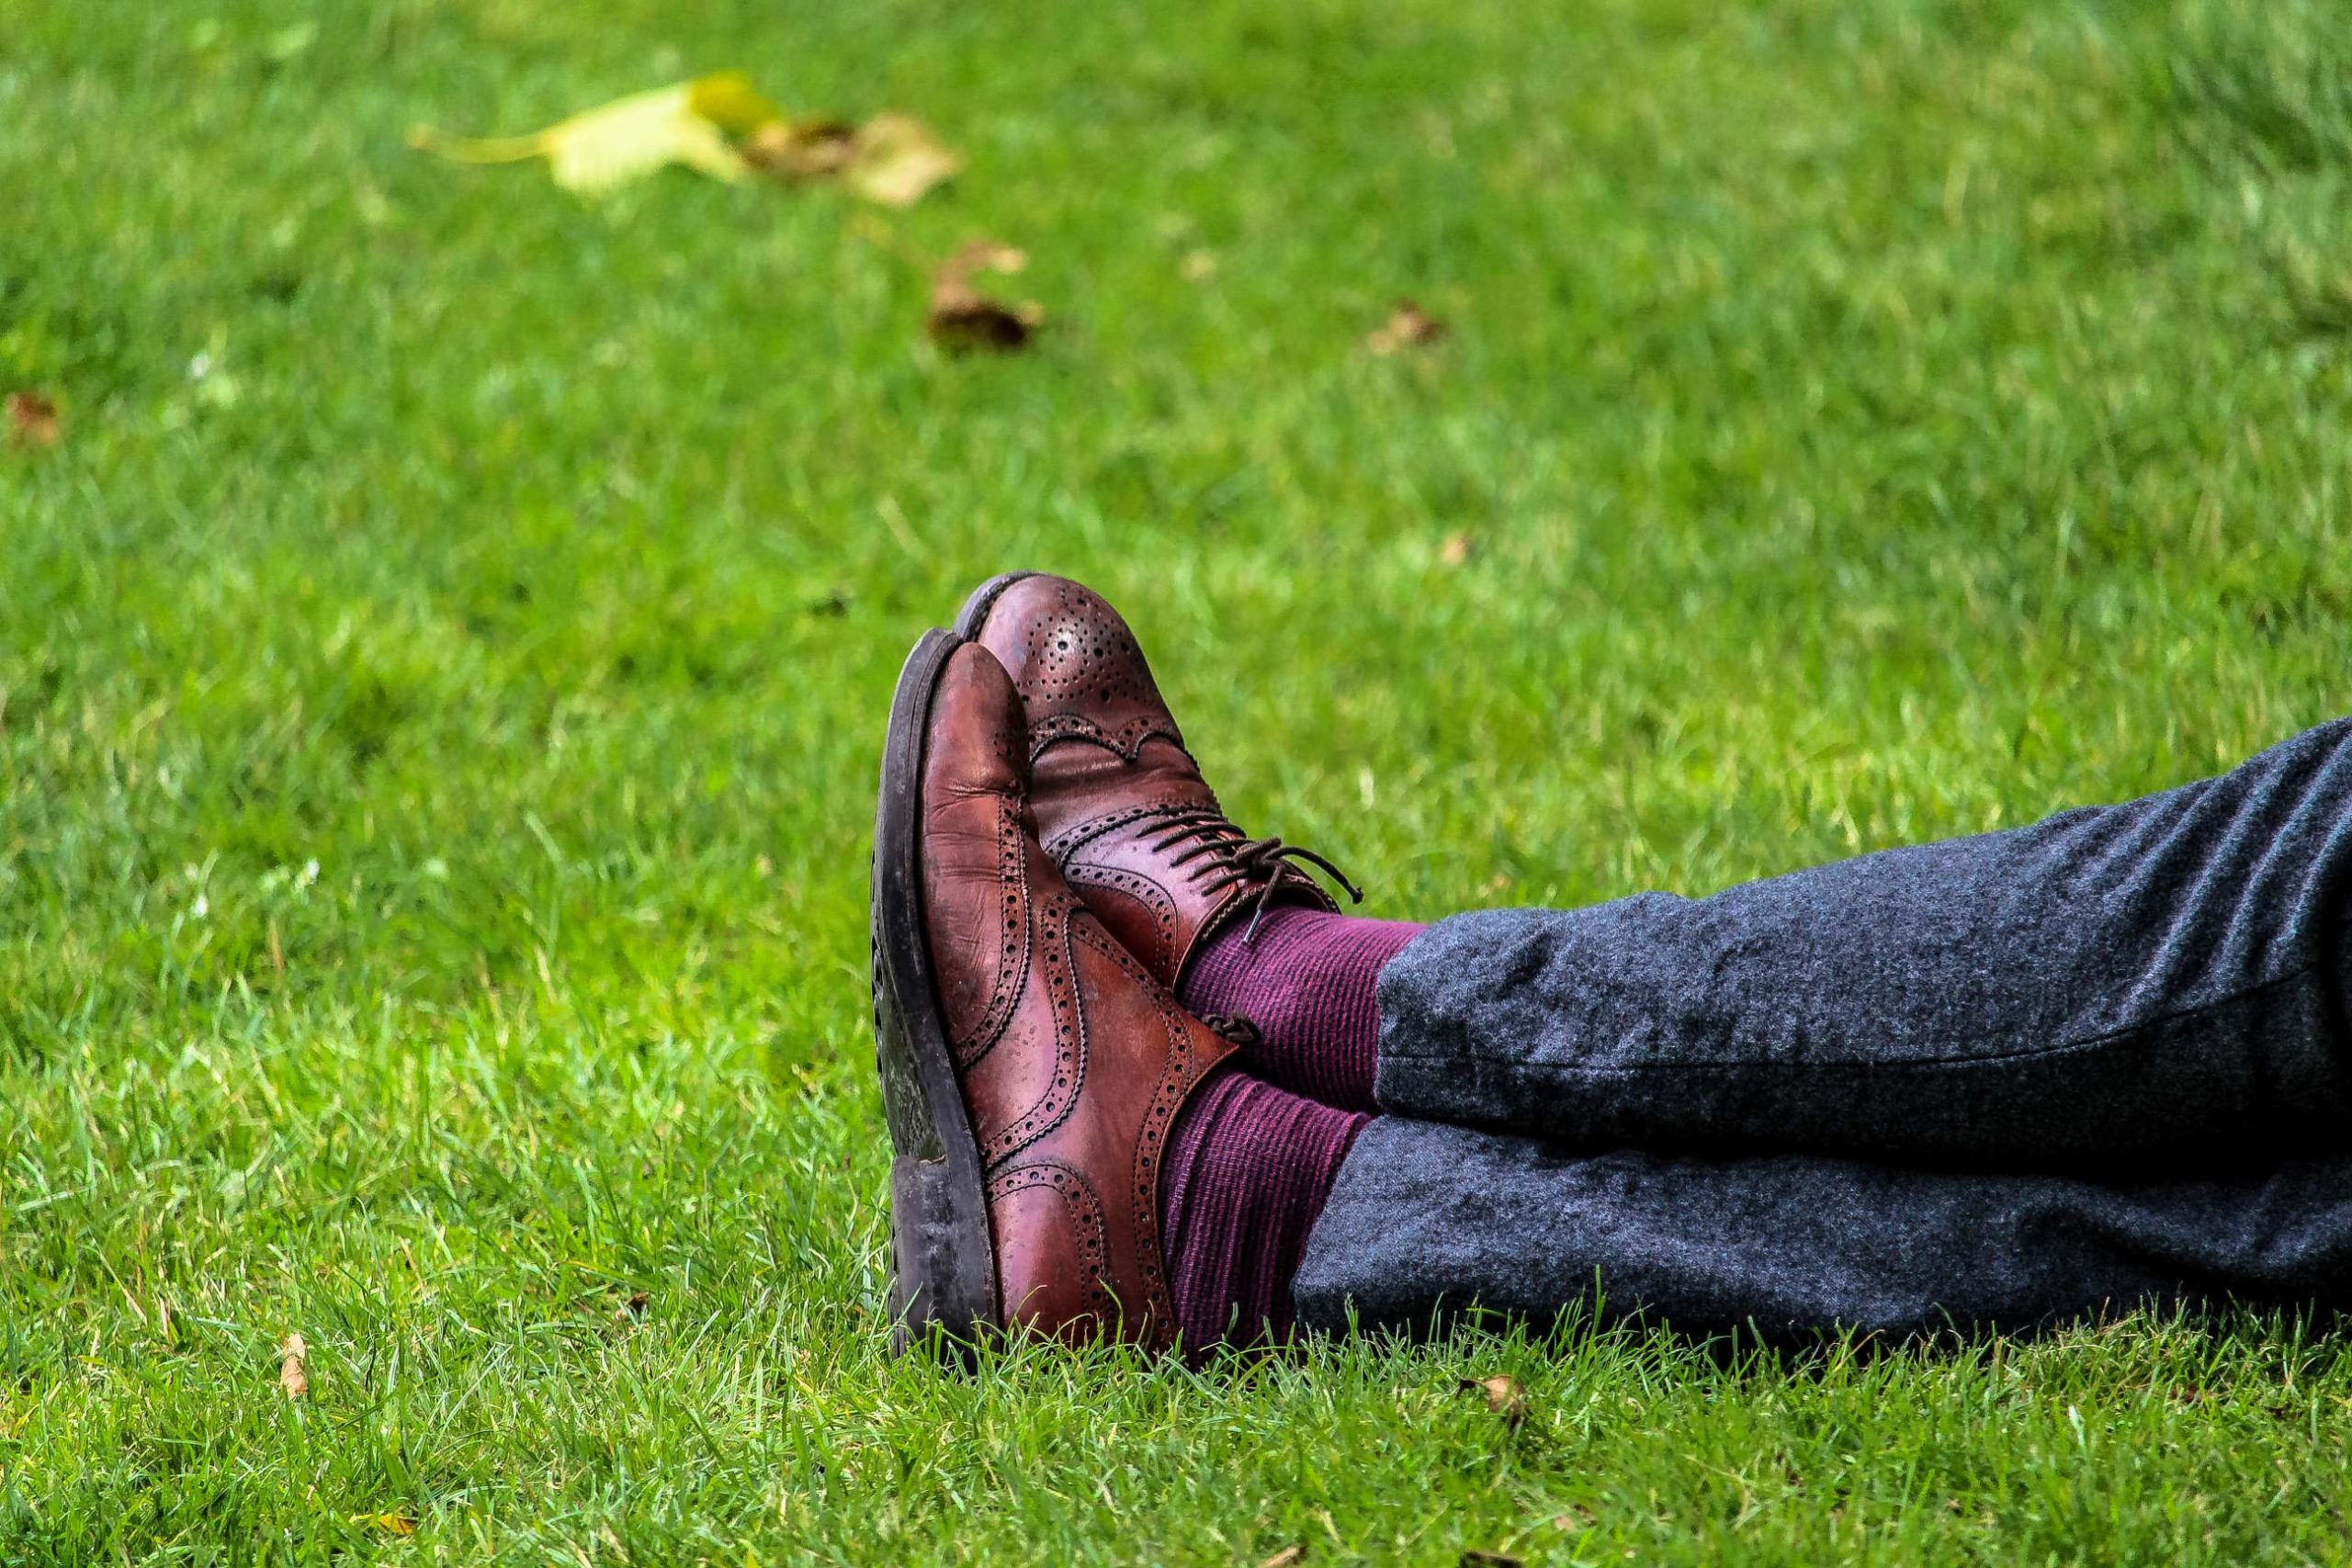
(1309, 980)
(1249, 1168)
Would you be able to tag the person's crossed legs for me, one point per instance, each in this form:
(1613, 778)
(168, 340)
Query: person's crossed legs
(2097, 1060)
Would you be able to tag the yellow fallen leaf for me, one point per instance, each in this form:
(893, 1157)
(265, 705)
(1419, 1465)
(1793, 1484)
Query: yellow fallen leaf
(391, 1524)
(630, 137)
(728, 101)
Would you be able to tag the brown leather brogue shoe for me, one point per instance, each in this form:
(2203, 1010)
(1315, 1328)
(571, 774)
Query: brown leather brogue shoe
(1031, 1068)
(1120, 802)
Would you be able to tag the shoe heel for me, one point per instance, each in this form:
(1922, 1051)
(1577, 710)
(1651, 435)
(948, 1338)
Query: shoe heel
(931, 1298)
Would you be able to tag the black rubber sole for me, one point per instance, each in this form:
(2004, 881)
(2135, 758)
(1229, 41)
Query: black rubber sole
(942, 1264)
(975, 609)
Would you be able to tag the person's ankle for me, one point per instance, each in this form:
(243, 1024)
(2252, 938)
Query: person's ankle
(1249, 1168)
(1307, 981)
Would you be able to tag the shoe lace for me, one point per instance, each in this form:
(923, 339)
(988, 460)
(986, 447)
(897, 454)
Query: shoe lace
(1234, 1026)
(1221, 855)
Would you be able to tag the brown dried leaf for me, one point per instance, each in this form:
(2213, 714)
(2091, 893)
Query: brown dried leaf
(892, 158)
(962, 319)
(809, 149)
(1458, 547)
(633, 1308)
(983, 256)
(1408, 326)
(1503, 1397)
(32, 420)
(293, 1373)
(1288, 1557)
(1488, 1560)
(968, 322)
(897, 159)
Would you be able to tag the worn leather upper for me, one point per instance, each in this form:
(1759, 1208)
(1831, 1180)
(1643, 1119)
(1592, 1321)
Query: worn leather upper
(1073, 1060)
(1120, 803)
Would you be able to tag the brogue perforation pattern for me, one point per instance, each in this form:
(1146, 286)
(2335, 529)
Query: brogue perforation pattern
(1013, 940)
(1126, 742)
(1086, 1226)
(1180, 1068)
(1068, 842)
(1057, 967)
(1066, 846)
(1080, 651)
(1135, 886)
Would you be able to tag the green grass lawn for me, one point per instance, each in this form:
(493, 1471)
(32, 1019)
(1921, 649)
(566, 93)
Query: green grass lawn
(436, 742)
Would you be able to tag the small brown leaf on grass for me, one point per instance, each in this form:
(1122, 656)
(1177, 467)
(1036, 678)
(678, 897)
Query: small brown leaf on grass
(965, 321)
(898, 159)
(985, 255)
(962, 319)
(809, 149)
(1503, 1397)
(632, 1308)
(1458, 547)
(1288, 1557)
(893, 160)
(32, 420)
(293, 1372)
(1408, 326)
(1488, 1560)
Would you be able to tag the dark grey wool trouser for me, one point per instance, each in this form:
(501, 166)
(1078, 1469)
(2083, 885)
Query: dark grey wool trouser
(1999, 1081)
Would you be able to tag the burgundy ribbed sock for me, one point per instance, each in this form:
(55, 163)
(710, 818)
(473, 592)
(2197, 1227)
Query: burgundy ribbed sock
(1306, 979)
(1248, 1168)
